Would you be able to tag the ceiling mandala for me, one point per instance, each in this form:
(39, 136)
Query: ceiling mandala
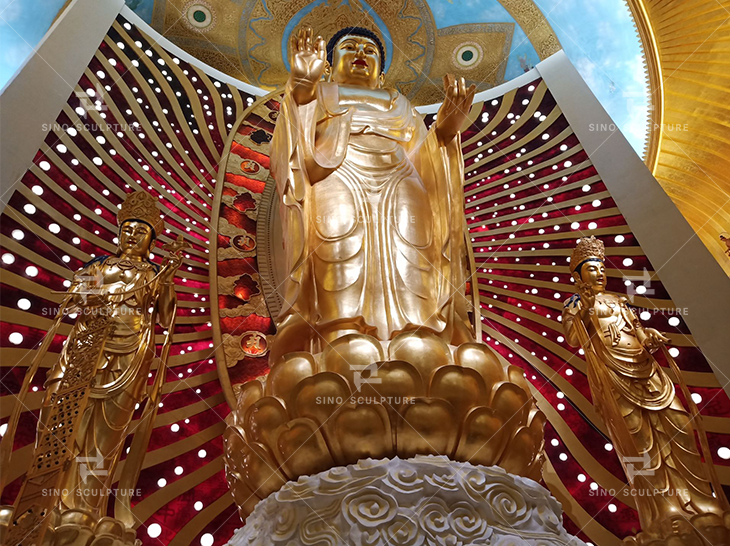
(248, 39)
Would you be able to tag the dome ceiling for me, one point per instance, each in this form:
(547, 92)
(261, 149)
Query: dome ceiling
(248, 39)
(487, 41)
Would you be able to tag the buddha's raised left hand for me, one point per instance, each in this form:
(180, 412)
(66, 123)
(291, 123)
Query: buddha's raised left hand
(453, 111)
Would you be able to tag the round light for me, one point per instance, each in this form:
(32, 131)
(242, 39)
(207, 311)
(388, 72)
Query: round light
(555, 442)
(207, 540)
(162, 482)
(31, 271)
(592, 225)
(673, 321)
(628, 262)
(574, 225)
(154, 530)
(175, 427)
(612, 508)
(24, 304)
(16, 338)
(724, 453)
(581, 478)
(29, 209)
(202, 453)
(178, 470)
(17, 234)
(198, 506)
(674, 352)
(696, 397)
(54, 228)
(608, 447)
(45, 165)
(645, 315)
(619, 239)
(8, 258)
(37, 190)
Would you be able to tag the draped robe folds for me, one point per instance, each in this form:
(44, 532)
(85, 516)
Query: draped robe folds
(378, 245)
(119, 384)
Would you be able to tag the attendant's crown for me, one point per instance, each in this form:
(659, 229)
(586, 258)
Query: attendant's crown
(587, 249)
(141, 206)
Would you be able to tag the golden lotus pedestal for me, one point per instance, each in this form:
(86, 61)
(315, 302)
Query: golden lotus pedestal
(398, 442)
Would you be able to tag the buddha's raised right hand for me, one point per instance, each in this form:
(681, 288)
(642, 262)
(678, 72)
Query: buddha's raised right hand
(308, 64)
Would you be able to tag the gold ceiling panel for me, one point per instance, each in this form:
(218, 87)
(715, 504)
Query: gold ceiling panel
(687, 46)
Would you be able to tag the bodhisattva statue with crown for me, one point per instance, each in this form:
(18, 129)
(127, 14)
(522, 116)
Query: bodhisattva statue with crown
(679, 498)
(374, 364)
(94, 388)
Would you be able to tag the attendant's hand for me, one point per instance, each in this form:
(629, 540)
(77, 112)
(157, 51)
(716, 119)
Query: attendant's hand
(455, 108)
(170, 266)
(308, 64)
(653, 339)
(587, 298)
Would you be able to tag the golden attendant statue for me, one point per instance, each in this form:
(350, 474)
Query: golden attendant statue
(95, 387)
(679, 499)
(372, 201)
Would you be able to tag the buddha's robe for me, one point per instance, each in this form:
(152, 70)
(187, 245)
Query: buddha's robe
(377, 245)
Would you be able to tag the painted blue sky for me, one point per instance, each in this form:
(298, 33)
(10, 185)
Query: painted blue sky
(597, 35)
(599, 38)
(23, 23)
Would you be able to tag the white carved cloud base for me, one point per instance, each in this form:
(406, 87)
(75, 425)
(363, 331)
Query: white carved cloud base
(424, 501)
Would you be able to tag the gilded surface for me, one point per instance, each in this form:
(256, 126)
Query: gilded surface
(371, 203)
(685, 45)
(365, 398)
(676, 495)
(374, 354)
(100, 378)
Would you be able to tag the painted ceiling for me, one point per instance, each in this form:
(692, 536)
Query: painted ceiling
(487, 41)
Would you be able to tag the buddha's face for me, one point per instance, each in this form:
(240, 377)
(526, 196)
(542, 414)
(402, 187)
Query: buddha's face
(594, 275)
(135, 239)
(356, 61)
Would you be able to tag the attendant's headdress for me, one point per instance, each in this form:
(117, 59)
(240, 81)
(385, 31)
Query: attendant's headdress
(588, 249)
(142, 207)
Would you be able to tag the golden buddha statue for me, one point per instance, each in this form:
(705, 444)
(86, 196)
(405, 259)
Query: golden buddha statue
(374, 357)
(372, 202)
(679, 499)
(102, 375)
